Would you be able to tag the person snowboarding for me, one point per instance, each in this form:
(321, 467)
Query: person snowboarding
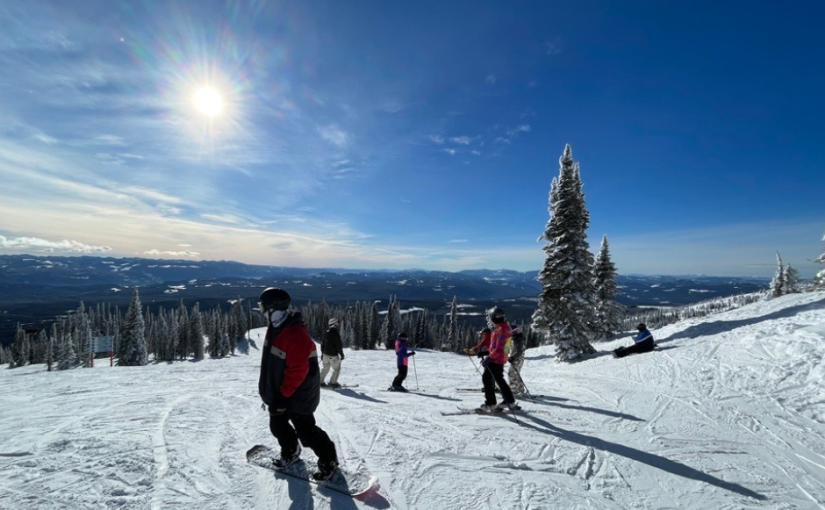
(516, 359)
(643, 342)
(494, 359)
(290, 385)
(332, 354)
(402, 356)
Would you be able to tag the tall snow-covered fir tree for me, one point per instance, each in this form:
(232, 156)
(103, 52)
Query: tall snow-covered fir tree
(777, 285)
(567, 304)
(133, 337)
(66, 357)
(790, 280)
(608, 311)
(819, 279)
(196, 327)
(452, 332)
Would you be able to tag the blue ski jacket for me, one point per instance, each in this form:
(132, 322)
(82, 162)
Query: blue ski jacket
(643, 335)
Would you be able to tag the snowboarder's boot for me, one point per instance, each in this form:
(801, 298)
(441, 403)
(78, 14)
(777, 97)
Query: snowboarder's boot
(325, 470)
(323, 384)
(487, 408)
(334, 385)
(284, 461)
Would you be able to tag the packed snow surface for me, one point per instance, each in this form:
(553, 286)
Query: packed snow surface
(728, 414)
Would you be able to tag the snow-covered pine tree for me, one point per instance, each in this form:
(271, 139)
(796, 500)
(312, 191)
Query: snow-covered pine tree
(389, 332)
(18, 348)
(819, 279)
(790, 280)
(566, 309)
(133, 335)
(452, 332)
(374, 326)
(224, 345)
(608, 311)
(40, 348)
(196, 326)
(777, 285)
(67, 357)
(183, 332)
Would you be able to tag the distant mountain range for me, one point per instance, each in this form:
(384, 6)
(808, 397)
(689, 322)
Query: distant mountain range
(33, 288)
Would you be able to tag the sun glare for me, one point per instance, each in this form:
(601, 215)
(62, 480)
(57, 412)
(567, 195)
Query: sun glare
(208, 101)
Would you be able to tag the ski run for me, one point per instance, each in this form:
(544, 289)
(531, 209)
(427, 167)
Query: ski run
(729, 414)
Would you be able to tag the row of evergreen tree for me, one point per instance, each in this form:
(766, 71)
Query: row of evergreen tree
(181, 333)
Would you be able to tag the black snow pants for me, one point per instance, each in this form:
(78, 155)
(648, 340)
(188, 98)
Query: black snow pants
(645, 345)
(310, 434)
(402, 374)
(494, 374)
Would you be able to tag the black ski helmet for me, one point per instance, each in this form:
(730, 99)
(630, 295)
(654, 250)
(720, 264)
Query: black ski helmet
(273, 298)
(641, 327)
(497, 315)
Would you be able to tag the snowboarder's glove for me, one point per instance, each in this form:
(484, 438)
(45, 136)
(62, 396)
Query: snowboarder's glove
(342, 356)
(469, 351)
(412, 353)
(481, 354)
(278, 408)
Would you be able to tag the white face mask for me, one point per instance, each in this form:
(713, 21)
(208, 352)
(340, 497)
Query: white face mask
(277, 317)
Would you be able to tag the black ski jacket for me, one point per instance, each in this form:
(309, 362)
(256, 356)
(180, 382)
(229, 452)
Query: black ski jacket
(331, 343)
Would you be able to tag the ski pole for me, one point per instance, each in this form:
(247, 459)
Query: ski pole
(415, 371)
(474, 364)
(526, 390)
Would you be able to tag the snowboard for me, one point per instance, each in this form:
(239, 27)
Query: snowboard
(342, 481)
(341, 387)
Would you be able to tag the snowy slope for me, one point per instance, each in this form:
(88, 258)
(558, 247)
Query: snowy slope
(730, 413)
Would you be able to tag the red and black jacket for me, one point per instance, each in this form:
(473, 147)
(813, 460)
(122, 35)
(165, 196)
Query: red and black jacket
(289, 367)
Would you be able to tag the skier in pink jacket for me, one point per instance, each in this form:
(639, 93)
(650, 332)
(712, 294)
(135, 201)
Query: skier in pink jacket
(493, 365)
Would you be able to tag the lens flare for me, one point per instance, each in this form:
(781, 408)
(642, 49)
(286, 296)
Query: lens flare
(208, 101)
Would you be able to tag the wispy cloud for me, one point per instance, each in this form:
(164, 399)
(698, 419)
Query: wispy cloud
(184, 253)
(437, 139)
(553, 47)
(34, 243)
(334, 135)
(462, 140)
(223, 218)
(511, 134)
(449, 151)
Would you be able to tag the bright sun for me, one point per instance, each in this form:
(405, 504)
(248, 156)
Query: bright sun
(208, 101)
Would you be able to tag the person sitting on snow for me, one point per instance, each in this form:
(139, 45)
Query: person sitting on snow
(643, 343)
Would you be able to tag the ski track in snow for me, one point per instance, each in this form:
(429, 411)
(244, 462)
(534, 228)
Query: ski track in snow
(729, 414)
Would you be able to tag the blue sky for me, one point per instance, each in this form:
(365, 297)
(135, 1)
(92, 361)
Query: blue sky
(414, 134)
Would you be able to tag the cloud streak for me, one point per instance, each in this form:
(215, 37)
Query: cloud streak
(37, 244)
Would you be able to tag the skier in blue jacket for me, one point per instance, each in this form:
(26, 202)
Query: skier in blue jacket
(643, 342)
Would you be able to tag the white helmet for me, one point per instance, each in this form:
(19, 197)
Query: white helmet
(333, 322)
